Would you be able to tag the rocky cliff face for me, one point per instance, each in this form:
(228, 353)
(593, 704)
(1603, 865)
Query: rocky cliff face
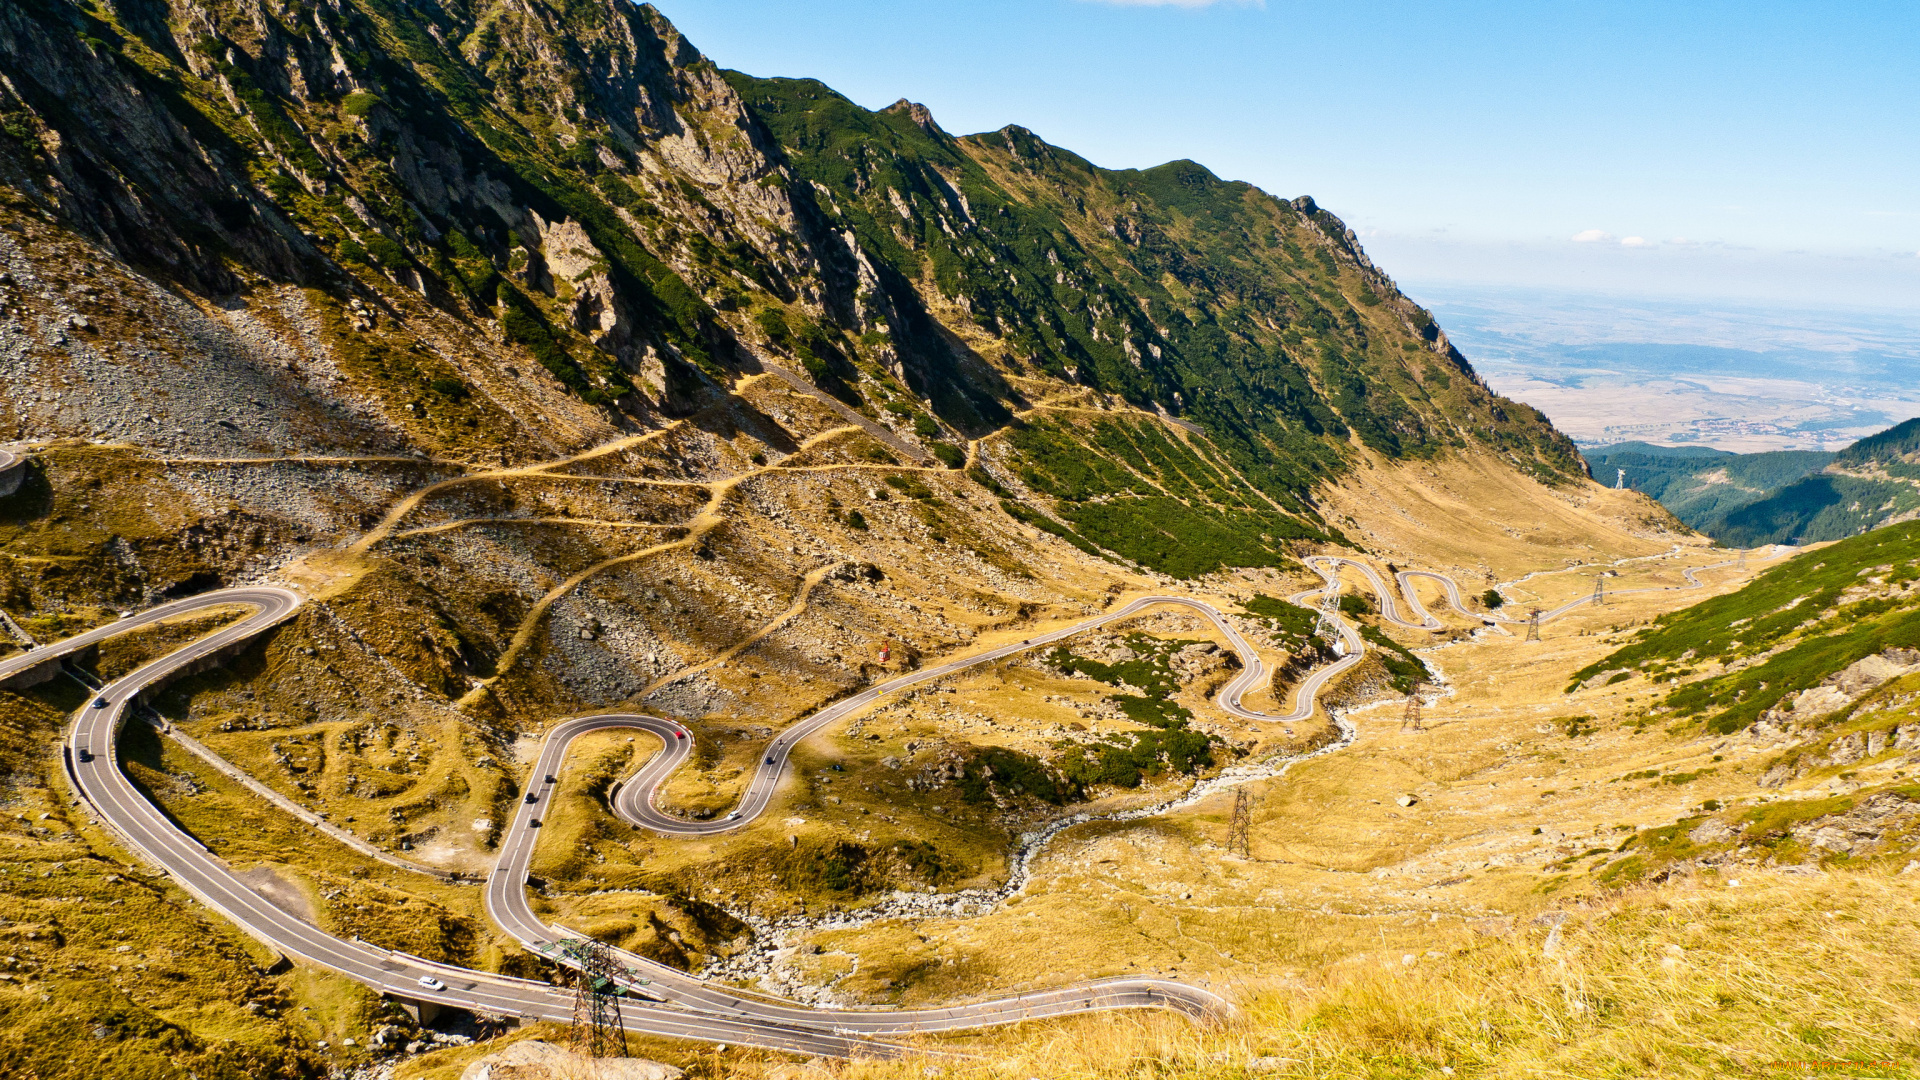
(288, 276)
(505, 297)
(577, 187)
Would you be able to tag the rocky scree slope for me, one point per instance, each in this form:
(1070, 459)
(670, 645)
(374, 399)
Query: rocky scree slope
(606, 365)
(627, 381)
(501, 228)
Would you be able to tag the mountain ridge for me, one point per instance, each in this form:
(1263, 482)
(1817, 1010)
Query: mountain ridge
(1782, 496)
(565, 372)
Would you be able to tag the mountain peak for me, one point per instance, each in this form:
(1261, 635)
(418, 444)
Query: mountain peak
(918, 113)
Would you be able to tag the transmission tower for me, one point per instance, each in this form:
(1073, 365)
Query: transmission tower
(1238, 840)
(1741, 559)
(1533, 625)
(1600, 590)
(1411, 721)
(597, 1030)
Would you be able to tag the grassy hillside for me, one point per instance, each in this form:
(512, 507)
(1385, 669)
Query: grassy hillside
(1796, 624)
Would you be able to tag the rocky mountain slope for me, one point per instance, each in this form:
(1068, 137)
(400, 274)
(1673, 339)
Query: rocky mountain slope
(566, 371)
(539, 293)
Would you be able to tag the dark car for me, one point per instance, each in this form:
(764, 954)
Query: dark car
(551, 780)
(86, 755)
(769, 761)
(533, 796)
(535, 823)
(101, 703)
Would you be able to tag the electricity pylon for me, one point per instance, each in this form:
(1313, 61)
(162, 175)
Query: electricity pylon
(597, 1030)
(1411, 721)
(1239, 841)
(1533, 625)
(1600, 590)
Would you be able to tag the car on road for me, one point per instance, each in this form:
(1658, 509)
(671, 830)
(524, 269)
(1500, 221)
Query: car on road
(551, 780)
(101, 703)
(533, 796)
(733, 815)
(679, 734)
(533, 824)
(769, 761)
(86, 755)
(432, 983)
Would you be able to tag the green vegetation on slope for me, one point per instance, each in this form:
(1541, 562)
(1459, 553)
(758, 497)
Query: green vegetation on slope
(1125, 759)
(1176, 292)
(1787, 496)
(1152, 498)
(1404, 670)
(1701, 485)
(1789, 625)
(1822, 507)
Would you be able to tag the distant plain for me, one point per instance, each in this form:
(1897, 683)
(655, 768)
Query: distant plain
(1743, 378)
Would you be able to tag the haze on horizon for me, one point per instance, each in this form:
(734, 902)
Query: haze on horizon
(1754, 152)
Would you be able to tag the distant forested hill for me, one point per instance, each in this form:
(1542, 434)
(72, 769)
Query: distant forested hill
(1785, 496)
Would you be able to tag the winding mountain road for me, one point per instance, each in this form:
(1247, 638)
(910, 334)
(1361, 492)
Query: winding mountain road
(636, 803)
(692, 1008)
(1328, 565)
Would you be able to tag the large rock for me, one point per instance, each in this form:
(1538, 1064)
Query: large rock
(1863, 829)
(1843, 688)
(1866, 674)
(536, 1060)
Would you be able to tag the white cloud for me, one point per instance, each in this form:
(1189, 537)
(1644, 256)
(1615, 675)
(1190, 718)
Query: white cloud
(1592, 236)
(1636, 241)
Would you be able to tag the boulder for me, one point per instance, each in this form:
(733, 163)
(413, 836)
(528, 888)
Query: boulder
(1861, 830)
(1847, 749)
(1712, 832)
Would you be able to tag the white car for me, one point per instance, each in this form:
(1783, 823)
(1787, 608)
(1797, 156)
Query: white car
(432, 983)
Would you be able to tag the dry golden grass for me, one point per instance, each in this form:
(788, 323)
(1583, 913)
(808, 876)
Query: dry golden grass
(1692, 980)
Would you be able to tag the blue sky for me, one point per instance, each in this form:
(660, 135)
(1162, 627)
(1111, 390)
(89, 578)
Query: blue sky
(1761, 151)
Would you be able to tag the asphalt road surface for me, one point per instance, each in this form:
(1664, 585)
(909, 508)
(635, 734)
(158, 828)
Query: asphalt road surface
(692, 1008)
(92, 765)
